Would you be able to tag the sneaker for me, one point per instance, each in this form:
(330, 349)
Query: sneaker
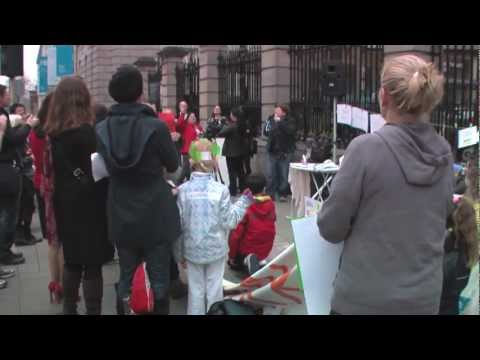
(10, 259)
(252, 263)
(16, 254)
(3, 284)
(6, 273)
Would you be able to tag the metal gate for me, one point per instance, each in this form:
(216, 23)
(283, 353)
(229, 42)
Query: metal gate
(459, 108)
(240, 76)
(154, 86)
(188, 81)
(310, 106)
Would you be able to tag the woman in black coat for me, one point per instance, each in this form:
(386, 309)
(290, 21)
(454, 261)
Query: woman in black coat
(235, 149)
(81, 221)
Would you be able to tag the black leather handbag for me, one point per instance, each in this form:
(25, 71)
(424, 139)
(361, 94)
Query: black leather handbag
(9, 179)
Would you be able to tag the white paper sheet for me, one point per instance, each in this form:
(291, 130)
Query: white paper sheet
(360, 119)
(467, 137)
(99, 169)
(318, 262)
(344, 114)
(376, 122)
(222, 163)
(312, 207)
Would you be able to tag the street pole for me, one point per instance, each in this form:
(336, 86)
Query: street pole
(335, 129)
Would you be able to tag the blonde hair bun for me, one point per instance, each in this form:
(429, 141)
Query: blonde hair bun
(416, 86)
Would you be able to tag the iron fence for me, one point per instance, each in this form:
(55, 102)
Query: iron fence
(240, 75)
(188, 81)
(310, 106)
(154, 86)
(460, 106)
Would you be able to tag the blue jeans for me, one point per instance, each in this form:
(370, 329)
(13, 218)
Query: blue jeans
(158, 268)
(277, 174)
(8, 223)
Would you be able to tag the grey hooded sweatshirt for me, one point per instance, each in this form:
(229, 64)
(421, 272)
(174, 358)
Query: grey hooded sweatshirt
(389, 203)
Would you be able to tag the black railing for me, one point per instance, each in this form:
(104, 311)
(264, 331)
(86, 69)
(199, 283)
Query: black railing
(188, 81)
(310, 106)
(154, 86)
(240, 76)
(459, 108)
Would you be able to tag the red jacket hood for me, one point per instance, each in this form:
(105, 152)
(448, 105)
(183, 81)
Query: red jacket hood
(263, 206)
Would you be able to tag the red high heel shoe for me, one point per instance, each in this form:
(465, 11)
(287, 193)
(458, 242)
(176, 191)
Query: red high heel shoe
(56, 292)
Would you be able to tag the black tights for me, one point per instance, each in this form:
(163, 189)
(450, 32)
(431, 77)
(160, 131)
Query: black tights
(89, 272)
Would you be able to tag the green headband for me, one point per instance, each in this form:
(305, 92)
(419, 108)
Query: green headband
(196, 155)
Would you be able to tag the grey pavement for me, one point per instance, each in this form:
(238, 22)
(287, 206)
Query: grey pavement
(27, 292)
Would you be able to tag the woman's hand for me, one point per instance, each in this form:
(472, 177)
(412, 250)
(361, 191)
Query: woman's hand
(31, 120)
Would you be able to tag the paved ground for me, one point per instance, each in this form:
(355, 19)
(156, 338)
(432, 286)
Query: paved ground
(27, 292)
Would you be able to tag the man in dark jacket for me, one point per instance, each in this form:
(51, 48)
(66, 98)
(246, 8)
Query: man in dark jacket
(143, 215)
(280, 130)
(10, 180)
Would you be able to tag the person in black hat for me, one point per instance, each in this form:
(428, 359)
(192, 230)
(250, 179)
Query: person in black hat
(144, 218)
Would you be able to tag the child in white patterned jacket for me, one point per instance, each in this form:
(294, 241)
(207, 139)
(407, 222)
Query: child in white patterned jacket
(207, 215)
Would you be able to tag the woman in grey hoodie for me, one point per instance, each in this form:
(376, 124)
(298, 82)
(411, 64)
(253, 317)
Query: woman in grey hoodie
(390, 201)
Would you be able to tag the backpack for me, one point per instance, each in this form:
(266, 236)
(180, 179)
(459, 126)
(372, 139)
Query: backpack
(141, 298)
(231, 307)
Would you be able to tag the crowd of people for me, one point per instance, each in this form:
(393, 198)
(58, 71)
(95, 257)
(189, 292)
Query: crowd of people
(164, 202)
(161, 194)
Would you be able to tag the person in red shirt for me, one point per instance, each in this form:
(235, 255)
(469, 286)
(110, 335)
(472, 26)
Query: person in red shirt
(191, 131)
(251, 242)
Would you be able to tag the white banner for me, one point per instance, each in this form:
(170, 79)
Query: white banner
(52, 78)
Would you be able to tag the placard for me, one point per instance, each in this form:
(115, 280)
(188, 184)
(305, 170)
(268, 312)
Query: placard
(312, 207)
(318, 263)
(467, 137)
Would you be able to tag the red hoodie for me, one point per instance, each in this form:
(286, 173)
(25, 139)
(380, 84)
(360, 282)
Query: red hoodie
(256, 233)
(169, 120)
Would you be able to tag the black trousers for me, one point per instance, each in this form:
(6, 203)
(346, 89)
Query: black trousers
(247, 164)
(41, 213)
(236, 174)
(27, 202)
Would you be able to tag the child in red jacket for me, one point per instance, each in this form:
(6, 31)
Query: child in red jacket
(251, 242)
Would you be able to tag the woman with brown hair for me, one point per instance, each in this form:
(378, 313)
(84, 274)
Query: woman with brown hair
(81, 223)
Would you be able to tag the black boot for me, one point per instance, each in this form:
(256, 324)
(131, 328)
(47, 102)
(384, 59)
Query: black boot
(162, 307)
(93, 294)
(71, 287)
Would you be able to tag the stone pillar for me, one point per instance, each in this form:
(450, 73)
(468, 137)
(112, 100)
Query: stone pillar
(146, 65)
(424, 51)
(169, 57)
(209, 87)
(275, 77)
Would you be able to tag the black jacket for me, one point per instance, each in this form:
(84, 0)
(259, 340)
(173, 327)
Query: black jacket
(214, 126)
(13, 140)
(81, 219)
(281, 135)
(235, 144)
(136, 147)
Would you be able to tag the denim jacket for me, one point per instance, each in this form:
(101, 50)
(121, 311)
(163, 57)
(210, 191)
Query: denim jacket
(207, 215)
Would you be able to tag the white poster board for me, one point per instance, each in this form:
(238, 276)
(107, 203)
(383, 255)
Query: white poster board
(467, 137)
(376, 122)
(318, 262)
(99, 169)
(222, 162)
(344, 114)
(360, 119)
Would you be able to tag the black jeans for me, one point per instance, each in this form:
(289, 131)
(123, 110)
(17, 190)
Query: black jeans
(27, 203)
(247, 164)
(8, 223)
(236, 174)
(41, 213)
(277, 169)
(158, 268)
